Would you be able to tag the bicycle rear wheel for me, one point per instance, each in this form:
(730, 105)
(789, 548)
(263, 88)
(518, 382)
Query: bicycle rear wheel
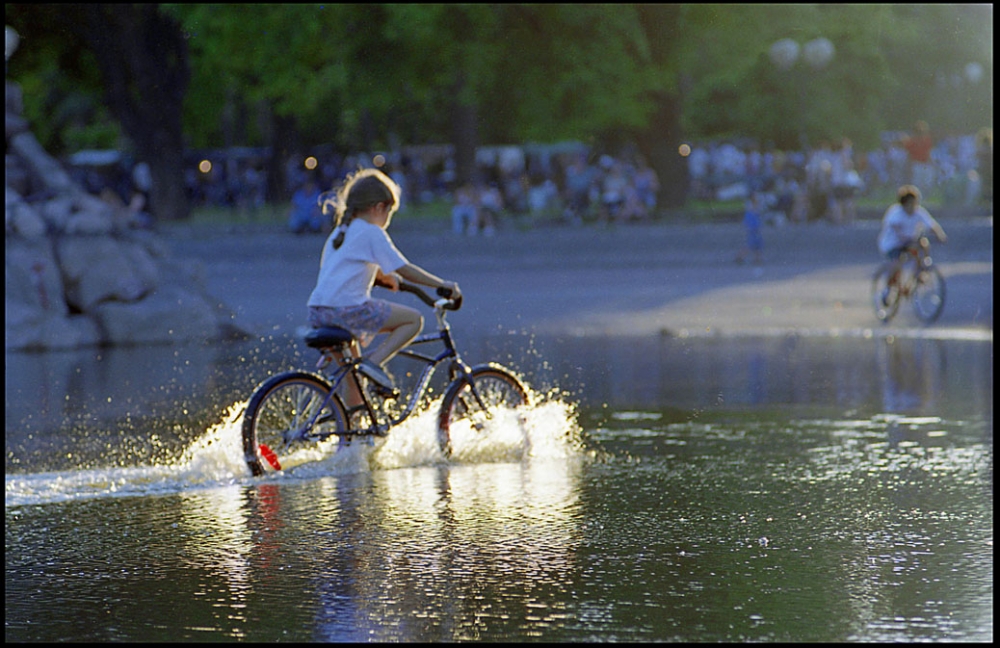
(496, 387)
(928, 294)
(276, 418)
(885, 298)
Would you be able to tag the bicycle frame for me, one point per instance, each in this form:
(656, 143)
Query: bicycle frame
(917, 257)
(458, 369)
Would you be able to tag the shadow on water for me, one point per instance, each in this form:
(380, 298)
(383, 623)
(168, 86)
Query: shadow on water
(778, 489)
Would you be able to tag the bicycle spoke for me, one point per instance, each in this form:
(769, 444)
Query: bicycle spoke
(287, 413)
(496, 389)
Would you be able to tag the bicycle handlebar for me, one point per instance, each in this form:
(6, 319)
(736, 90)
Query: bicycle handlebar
(451, 304)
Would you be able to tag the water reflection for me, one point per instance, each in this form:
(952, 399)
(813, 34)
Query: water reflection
(411, 554)
(724, 490)
(911, 373)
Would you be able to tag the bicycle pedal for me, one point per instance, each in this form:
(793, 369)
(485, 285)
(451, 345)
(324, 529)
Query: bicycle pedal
(387, 393)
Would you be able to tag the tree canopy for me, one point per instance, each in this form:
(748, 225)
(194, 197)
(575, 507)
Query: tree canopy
(366, 76)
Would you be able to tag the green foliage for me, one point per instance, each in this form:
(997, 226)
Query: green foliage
(359, 75)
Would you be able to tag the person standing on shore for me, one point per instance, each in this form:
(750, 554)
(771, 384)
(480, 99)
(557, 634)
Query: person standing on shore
(752, 225)
(304, 214)
(918, 149)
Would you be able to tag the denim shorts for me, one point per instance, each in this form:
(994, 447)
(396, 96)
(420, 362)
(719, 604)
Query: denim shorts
(364, 321)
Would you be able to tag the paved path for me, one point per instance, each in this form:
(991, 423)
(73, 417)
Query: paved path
(626, 280)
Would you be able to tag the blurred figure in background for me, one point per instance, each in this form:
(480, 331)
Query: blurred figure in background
(305, 214)
(918, 149)
(465, 213)
(752, 222)
(984, 158)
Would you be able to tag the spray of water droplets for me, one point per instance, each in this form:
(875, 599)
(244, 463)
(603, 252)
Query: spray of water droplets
(546, 430)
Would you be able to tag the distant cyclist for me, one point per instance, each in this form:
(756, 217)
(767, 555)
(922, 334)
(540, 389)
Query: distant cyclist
(902, 226)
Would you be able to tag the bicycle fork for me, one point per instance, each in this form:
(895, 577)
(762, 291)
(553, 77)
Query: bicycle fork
(461, 371)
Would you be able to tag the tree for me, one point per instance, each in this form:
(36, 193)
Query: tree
(367, 76)
(142, 58)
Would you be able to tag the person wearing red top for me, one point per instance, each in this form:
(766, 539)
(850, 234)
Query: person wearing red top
(918, 147)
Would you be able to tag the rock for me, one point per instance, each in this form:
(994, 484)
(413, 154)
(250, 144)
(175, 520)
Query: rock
(100, 268)
(27, 327)
(17, 177)
(169, 315)
(42, 166)
(15, 125)
(24, 220)
(56, 212)
(79, 273)
(32, 276)
(90, 222)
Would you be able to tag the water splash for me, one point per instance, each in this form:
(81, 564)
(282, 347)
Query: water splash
(545, 430)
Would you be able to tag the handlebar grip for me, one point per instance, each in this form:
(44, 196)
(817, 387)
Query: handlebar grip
(455, 303)
(427, 299)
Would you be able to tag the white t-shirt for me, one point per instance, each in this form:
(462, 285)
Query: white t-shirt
(900, 228)
(346, 275)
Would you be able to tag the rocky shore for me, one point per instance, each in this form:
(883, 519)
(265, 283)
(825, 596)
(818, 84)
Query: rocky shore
(78, 269)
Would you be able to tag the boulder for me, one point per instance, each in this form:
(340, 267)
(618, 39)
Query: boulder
(42, 166)
(80, 273)
(32, 329)
(96, 269)
(171, 314)
(32, 277)
(24, 220)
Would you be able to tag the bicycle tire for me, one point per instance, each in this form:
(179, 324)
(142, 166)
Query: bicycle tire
(885, 298)
(929, 294)
(281, 404)
(496, 386)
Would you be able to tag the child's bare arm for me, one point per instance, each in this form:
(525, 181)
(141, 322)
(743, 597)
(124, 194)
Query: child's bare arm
(416, 274)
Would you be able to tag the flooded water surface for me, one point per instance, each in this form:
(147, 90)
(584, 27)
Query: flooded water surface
(785, 489)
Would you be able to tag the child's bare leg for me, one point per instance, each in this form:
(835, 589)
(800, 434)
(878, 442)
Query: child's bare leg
(403, 325)
(350, 387)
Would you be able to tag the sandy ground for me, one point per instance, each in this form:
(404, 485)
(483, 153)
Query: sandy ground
(654, 279)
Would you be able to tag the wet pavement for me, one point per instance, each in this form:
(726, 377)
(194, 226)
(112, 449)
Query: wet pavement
(672, 280)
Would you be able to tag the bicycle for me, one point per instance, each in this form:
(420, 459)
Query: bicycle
(917, 279)
(295, 410)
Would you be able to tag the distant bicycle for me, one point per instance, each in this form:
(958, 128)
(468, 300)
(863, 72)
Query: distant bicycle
(290, 413)
(913, 276)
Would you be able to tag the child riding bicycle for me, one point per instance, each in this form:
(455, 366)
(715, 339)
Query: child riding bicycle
(357, 254)
(903, 224)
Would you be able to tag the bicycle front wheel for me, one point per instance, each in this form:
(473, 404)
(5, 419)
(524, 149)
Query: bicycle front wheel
(496, 389)
(885, 298)
(284, 418)
(928, 294)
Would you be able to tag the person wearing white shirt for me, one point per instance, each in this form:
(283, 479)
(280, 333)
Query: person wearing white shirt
(359, 253)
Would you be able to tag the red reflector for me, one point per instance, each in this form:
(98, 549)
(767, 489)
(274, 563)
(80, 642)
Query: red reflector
(269, 456)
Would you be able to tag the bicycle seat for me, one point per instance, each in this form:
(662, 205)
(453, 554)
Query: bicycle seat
(328, 336)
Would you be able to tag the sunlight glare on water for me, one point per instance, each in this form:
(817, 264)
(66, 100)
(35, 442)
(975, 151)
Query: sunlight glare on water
(548, 429)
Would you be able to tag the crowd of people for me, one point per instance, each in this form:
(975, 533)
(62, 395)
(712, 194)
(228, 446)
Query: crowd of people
(572, 184)
(823, 183)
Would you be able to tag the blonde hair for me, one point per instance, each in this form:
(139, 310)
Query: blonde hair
(361, 191)
(906, 192)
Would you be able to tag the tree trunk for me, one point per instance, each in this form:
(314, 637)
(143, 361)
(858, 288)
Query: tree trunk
(660, 141)
(284, 145)
(659, 144)
(143, 58)
(464, 135)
